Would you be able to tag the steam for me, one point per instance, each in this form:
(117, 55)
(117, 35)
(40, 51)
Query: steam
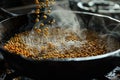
(68, 22)
(58, 40)
(67, 19)
(109, 30)
(114, 39)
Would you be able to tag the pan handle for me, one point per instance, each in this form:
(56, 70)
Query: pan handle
(4, 14)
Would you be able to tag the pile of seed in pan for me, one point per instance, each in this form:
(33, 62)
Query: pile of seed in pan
(55, 43)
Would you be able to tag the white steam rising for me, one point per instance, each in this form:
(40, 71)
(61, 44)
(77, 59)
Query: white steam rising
(58, 39)
(68, 20)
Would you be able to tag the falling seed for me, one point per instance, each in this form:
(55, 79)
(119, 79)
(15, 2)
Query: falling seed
(37, 2)
(45, 17)
(47, 3)
(53, 21)
(38, 30)
(37, 11)
(42, 24)
(49, 21)
(38, 16)
(38, 6)
(47, 28)
(43, 4)
(49, 11)
(37, 20)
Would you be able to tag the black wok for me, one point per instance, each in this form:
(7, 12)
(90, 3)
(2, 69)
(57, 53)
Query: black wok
(60, 68)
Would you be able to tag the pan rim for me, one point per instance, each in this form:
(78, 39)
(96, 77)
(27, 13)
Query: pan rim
(106, 55)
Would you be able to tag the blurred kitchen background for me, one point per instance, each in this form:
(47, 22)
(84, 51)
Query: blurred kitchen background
(105, 7)
(26, 4)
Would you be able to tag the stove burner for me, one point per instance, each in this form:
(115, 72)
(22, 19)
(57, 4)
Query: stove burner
(100, 6)
(114, 75)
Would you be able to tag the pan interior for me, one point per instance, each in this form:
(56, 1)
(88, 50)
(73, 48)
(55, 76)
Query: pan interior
(67, 38)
